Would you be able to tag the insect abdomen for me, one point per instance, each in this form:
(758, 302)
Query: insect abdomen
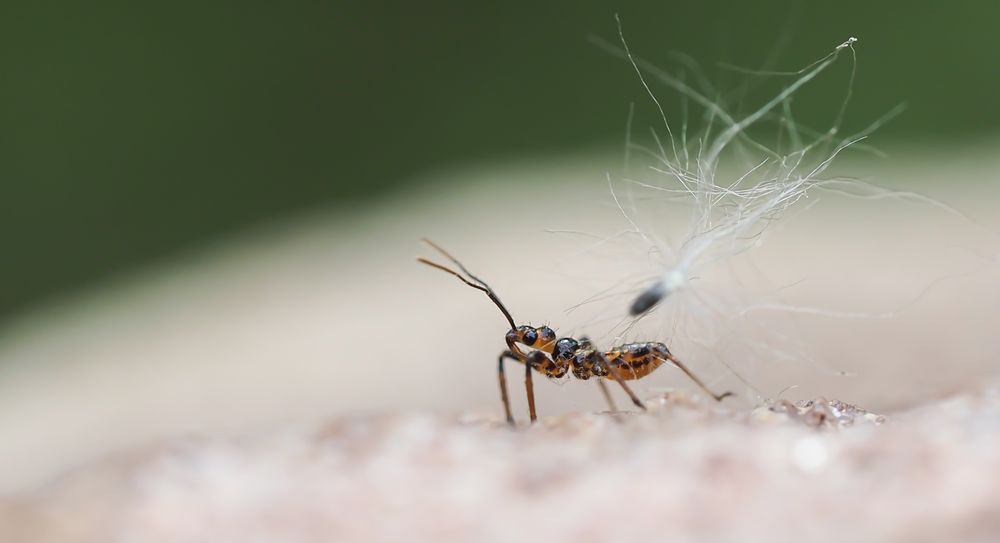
(636, 360)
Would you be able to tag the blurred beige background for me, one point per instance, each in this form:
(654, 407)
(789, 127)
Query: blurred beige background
(329, 313)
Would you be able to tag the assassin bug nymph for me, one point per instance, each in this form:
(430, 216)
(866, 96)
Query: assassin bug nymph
(556, 358)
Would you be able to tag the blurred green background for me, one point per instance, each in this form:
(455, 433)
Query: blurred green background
(132, 131)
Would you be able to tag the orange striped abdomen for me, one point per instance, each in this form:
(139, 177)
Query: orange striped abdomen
(636, 360)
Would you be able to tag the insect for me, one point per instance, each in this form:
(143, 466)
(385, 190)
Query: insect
(558, 357)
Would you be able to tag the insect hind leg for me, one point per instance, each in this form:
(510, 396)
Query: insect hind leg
(665, 355)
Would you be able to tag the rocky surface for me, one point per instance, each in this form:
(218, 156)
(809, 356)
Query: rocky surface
(685, 471)
(329, 315)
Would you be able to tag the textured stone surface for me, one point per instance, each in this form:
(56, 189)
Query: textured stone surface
(685, 471)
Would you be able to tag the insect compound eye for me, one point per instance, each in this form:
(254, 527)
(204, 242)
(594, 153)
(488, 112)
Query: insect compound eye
(529, 337)
(566, 348)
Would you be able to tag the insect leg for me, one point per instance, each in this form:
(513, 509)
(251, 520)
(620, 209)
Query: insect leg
(607, 394)
(586, 344)
(717, 397)
(613, 372)
(502, 378)
(531, 361)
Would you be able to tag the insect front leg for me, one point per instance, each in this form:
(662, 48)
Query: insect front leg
(502, 378)
(533, 361)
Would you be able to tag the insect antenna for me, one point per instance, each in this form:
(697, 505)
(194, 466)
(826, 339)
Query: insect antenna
(455, 261)
(479, 284)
